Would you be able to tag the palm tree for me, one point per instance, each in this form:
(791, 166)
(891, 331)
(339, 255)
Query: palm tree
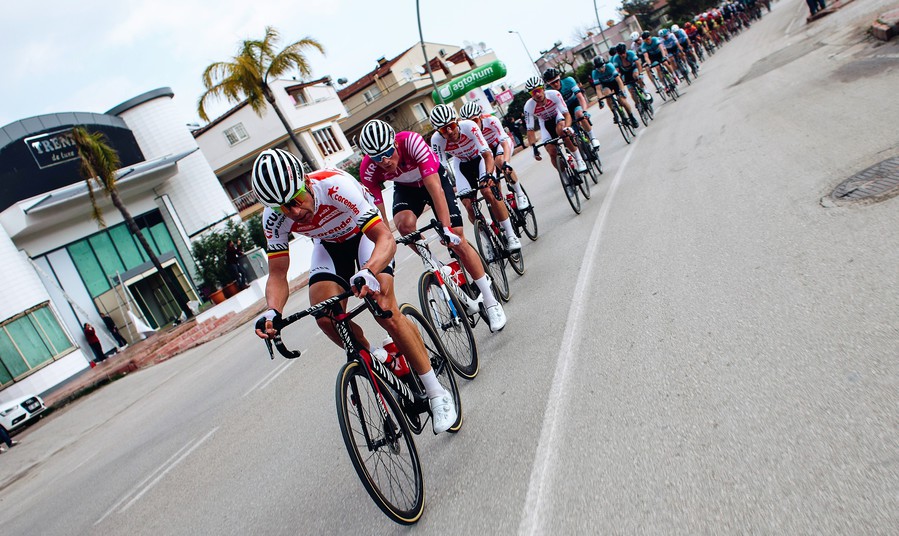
(99, 163)
(247, 75)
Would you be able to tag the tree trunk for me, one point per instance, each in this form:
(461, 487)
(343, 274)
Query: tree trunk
(173, 286)
(270, 97)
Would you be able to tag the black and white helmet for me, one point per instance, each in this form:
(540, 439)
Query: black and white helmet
(471, 110)
(533, 83)
(442, 115)
(376, 137)
(277, 177)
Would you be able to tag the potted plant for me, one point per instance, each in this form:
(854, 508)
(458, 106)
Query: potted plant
(209, 253)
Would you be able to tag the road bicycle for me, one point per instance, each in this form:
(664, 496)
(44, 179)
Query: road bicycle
(621, 117)
(667, 82)
(588, 151)
(682, 68)
(523, 220)
(378, 411)
(571, 180)
(491, 242)
(643, 103)
(449, 306)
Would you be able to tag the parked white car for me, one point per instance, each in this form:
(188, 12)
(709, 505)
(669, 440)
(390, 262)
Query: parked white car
(19, 411)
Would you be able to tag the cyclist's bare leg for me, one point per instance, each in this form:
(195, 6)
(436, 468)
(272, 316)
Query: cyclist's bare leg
(467, 204)
(321, 291)
(404, 333)
(551, 150)
(467, 255)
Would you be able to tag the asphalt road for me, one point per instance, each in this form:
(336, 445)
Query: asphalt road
(706, 349)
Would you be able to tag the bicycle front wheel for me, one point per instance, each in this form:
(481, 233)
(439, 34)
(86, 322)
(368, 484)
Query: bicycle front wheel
(494, 262)
(380, 444)
(442, 366)
(450, 324)
(528, 219)
(569, 187)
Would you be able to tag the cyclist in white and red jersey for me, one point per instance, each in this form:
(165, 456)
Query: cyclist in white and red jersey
(348, 236)
(418, 180)
(548, 107)
(500, 143)
(473, 164)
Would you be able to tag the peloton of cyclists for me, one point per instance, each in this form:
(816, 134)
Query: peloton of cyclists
(547, 108)
(420, 179)
(473, 164)
(338, 214)
(654, 53)
(574, 98)
(628, 64)
(501, 145)
(606, 80)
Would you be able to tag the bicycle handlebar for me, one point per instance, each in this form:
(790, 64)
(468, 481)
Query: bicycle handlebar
(319, 310)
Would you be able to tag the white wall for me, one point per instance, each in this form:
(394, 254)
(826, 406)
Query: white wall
(21, 287)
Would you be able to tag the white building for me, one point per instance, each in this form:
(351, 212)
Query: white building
(231, 142)
(60, 268)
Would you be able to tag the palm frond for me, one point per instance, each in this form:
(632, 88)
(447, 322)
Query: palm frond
(99, 163)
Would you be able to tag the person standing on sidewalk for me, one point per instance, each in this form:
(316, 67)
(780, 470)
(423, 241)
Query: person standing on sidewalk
(114, 331)
(91, 335)
(233, 254)
(4, 436)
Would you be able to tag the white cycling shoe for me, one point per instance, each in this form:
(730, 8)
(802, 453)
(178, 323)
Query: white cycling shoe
(580, 166)
(513, 243)
(521, 201)
(443, 413)
(496, 318)
(595, 143)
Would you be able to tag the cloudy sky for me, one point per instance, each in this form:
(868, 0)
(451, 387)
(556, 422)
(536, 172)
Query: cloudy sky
(91, 55)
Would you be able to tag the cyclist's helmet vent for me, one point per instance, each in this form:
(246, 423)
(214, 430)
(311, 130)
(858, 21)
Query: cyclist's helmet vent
(471, 110)
(599, 62)
(533, 83)
(277, 177)
(551, 74)
(442, 115)
(376, 137)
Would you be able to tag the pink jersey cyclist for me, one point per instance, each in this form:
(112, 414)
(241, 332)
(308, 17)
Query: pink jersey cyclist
(417, 161)
(467, 151)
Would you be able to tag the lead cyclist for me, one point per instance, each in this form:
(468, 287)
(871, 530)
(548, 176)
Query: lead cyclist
(574, 99)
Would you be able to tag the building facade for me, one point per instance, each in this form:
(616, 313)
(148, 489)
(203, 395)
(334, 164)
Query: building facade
(594, 44)
(232, 141)
(61, 268)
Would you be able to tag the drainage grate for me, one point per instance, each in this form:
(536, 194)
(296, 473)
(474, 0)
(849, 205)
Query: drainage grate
(877, 183)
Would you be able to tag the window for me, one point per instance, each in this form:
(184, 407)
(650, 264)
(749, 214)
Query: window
(236, 134)
(326, 141)
(28, 340)
(371, 94)
(421, 113)
(299, 98)
(588, 54)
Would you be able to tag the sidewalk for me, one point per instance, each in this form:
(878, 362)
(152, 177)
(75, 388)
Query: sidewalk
(157, 348)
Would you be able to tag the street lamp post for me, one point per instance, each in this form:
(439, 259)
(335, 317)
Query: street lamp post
(599, 22)
(527, 51)
(424, 53)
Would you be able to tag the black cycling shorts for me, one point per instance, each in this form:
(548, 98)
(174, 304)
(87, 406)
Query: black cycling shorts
(339, 261)
(415, 198)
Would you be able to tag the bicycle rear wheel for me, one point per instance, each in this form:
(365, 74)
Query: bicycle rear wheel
(450, 324)
(624, 127)
(568, 186)
(380, 444)
(528, 219)
(516, 261)
(492, 254)
(584, 186)
(442, 366)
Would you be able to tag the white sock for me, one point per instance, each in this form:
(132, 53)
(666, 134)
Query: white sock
(484, 286)
(507, 227)
(577, 155)
(432, 386)
(517, 188)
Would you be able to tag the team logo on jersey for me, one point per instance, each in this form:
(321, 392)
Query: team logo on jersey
(332, 193)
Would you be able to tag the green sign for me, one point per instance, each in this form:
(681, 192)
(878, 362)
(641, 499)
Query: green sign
(457, 87)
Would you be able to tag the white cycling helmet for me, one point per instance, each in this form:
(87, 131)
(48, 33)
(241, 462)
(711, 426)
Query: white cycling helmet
(675, 28)
(277, 177)
(376, 137)
(635, 36)
(533, 83)
(442, 115)
(471, 110)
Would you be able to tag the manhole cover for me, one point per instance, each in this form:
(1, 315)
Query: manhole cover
(877, 183)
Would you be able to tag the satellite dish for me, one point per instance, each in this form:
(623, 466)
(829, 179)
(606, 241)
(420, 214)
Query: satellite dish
(420, 70)
(407, 74)
(482, 46)
(469, 50)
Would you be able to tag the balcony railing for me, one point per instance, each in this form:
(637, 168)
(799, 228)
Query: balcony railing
(245, 201)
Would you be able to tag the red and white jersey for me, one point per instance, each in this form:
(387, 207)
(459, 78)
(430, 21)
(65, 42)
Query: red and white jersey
(493, 131)
(343, 209)
(417, 161)
(469, 146)
(552, 107)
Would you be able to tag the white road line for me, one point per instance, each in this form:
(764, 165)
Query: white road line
(169, 468)
(289, 363)
(532, 520)
(277, 370)
(141, 483)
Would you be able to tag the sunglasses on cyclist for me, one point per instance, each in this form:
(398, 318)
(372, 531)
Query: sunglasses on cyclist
(295, 202)
(378, 158)
(554, 82)
(448, 127)
(536, 89)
